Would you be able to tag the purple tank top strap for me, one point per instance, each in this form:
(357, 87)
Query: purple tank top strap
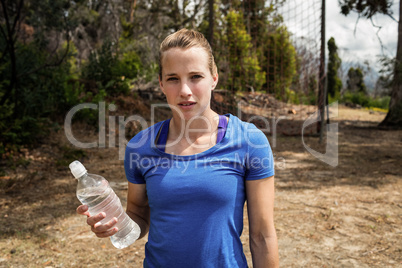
(223, 123)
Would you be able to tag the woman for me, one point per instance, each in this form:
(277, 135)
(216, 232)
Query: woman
(189, 176)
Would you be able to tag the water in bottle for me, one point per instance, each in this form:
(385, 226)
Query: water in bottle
(95, 192)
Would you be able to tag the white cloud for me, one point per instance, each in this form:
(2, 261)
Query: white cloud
(362, 44)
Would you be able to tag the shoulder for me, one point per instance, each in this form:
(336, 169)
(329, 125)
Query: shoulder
(144, 137)
(242, 125)
(248, 132)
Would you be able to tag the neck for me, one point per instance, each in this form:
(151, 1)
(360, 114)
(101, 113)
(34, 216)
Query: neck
(195, 127)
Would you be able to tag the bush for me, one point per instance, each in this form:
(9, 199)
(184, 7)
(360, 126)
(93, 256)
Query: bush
(244, 69)
(280, 59)
(39, 92)
(37, 99)
(364, 100)
(111, 72)
(291, 96)
(382, 102)
(336, 97)
(129, 65)
(310, 99)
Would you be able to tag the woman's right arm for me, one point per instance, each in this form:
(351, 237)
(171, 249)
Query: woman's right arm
(138, 207)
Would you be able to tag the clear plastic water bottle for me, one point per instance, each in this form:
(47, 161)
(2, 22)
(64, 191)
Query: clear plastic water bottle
(95, 192)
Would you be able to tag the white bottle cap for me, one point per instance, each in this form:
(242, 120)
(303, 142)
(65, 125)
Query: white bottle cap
(77, 169)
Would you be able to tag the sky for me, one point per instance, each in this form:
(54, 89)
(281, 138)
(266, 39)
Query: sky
(362, 44)
(357, 43)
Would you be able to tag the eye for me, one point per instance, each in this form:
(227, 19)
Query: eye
(171, 79)
(196, 76)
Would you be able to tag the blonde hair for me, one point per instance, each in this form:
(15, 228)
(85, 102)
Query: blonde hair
(185, 39)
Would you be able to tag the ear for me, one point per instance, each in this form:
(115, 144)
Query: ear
(216, 79)
(161, 85)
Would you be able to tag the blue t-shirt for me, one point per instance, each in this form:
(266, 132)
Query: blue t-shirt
(196, 201)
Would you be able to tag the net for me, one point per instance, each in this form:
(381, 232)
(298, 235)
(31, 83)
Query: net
(286, 44)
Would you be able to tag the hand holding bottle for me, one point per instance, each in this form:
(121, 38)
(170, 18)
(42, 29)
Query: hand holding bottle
(103, 208)
(100, 230)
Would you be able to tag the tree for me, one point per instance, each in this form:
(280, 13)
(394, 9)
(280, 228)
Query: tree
(368, 9)
(27, 26)
(244, 70)
(179, 13)
(381, 88)
(334, 63)
(257, 15)
(355, 81)
(33, 69)
(383, 85)
(279, 61)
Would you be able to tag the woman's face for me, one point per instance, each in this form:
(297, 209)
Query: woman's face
(187, 81)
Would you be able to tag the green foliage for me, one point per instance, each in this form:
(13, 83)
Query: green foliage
(150, 72)
(355, 81)
(36, 99)
(90, 116)
(280, 61)
(111, 72)
(127, 28)
(363, 100)
(260, 16)
(44, 83)
(251, 48)
(242, 59)
(384, 82)
(382, 102)
(334, 98)
(297, 97)
(129, 66)
(76, 91)
(44, 17)
(334, 63)
(291, 96)
(71, 60)
(27, 130)
(40, 93)
(101, 69)
(68, 155)
(311, 98)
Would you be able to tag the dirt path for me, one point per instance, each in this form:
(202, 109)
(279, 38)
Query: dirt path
(344, 216)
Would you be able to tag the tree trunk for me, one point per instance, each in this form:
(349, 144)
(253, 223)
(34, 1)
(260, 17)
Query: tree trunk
(394, 117)
(9, 36)
(132, 8)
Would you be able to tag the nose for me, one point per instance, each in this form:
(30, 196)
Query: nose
(185, 90)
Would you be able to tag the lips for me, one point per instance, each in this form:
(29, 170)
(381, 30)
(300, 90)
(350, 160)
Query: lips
(187, 103)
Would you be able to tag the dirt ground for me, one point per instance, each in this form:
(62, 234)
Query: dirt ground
(344, 216)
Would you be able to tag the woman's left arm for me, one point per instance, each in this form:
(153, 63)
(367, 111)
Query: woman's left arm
(260, 207)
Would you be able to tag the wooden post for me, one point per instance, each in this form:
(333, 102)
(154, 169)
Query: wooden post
(322, 78)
